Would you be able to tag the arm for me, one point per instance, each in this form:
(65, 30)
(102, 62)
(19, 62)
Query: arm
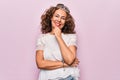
(47, 64)
(68, 53)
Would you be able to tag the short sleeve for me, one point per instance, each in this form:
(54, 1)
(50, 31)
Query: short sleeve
(72, 40)
(40, 43)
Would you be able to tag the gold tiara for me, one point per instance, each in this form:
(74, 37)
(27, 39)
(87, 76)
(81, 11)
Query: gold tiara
(63, 7)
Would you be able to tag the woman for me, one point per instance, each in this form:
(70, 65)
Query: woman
(56, 47)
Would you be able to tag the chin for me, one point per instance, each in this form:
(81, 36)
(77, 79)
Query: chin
(60, 27)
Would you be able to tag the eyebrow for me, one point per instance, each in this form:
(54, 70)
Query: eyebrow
(59, 15)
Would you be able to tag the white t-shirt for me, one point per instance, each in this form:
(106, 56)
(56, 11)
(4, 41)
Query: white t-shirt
(49, 45)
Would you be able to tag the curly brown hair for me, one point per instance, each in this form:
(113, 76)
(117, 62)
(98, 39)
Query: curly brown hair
(46, 21)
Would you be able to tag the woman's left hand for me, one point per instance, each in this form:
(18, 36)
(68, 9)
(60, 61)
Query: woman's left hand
(57, 32)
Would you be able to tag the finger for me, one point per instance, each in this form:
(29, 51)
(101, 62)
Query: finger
(74, 65)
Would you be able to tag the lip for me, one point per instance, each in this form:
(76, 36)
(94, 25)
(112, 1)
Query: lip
(58, 24)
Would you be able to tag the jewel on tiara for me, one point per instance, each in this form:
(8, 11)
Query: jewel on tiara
(61, 6)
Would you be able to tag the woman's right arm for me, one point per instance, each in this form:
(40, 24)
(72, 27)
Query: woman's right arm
(41, 62)
(47, 64)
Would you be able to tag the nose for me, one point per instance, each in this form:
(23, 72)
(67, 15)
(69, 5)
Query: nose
(59, 19)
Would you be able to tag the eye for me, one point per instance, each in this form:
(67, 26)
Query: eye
(63, 18)
(56, 15)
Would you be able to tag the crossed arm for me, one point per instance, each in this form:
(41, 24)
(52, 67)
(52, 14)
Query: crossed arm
(68, 54)
(49, 64)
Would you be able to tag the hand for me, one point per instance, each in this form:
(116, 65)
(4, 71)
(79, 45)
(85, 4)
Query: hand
(57, 32)
(75, 63)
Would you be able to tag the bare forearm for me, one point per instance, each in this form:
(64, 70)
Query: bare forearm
(49, 65)
(67, 54)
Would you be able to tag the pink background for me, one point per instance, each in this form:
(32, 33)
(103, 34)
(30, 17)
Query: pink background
(97, 26)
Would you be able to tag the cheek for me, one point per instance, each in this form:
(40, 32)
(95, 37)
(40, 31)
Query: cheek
(63, 22)
(53, 23)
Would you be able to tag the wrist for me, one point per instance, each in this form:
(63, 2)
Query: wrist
(59, 37)
(65, 65)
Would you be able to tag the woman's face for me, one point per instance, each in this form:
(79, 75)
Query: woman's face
(58, 19)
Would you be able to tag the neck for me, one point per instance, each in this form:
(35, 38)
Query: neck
(52, 33)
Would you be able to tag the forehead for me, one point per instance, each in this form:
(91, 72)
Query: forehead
(60, 12)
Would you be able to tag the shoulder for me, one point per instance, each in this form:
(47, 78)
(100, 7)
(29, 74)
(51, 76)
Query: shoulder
(72, 39)
(71, 35)
(41, 36)
(44, 37)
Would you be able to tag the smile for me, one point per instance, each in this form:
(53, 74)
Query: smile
(58, 24)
